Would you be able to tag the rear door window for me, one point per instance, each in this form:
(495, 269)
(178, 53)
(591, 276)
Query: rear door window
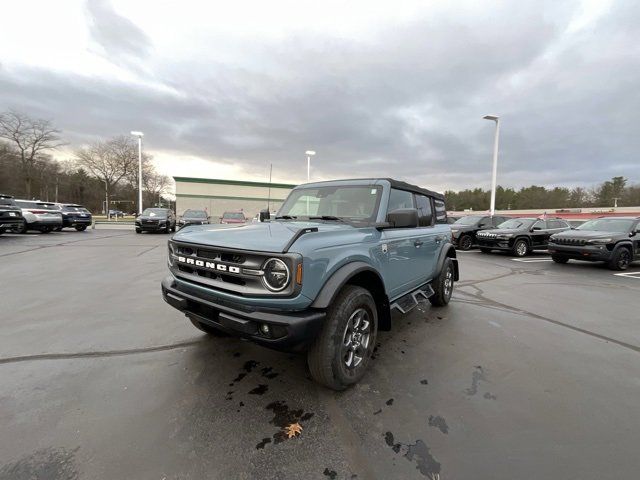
(541, 224)
(425, 213)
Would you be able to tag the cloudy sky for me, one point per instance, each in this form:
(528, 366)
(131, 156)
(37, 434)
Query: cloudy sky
(377, 88)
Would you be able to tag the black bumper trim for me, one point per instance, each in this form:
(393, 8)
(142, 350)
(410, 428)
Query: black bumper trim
(300, 327)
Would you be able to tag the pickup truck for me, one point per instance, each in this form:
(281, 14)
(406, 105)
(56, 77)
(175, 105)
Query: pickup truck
(323, 276)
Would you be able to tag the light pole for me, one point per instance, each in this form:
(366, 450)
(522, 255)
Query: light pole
(139, 135)
(496, 119)
(309, 153)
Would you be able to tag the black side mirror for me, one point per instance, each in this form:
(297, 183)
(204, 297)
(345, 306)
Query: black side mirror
(535, 229)
(403, 218)
(264, 215)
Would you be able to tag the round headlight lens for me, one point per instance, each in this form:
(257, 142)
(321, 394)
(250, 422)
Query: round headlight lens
(276, 274)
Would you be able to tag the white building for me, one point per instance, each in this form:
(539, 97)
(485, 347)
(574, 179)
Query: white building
(217, 196)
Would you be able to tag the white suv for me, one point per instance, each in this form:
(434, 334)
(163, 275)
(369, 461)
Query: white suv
(42, 216)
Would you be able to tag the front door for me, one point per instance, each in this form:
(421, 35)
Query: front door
(539, 234)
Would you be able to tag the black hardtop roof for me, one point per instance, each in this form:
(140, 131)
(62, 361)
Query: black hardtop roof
(394, 184)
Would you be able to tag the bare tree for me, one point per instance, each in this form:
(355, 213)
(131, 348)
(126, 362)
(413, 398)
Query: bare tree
(30, 138)
(110, 161)
(156, 184)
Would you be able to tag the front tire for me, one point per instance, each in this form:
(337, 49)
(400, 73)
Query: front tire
(81, 228)
(620, 259)
(22, 228)
(443, 286)
(559, 258)
(45, 229)
(465, 242)
(341, 353)
(520, 248)
(138, 230)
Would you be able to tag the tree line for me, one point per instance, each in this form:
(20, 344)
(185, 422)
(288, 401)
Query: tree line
(105, 170)
(607, 194)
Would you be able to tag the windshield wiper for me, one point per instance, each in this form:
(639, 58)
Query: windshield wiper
(328, 217)
(286, 217)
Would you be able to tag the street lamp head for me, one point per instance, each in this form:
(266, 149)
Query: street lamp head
(137, 134)
(491, 117)
(310, 152)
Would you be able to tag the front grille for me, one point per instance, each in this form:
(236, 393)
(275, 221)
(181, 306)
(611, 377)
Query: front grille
(226, 270)
(150, 222)
(570, 241)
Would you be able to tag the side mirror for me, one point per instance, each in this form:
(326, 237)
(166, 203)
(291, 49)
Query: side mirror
(264, 215)
(534, 229)
(403, 218)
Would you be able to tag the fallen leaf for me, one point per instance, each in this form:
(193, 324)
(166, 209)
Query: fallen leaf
(293, 429)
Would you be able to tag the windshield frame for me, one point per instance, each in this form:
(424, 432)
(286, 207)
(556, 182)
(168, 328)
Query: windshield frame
(156, 211)
(629, 227)
(316, 217)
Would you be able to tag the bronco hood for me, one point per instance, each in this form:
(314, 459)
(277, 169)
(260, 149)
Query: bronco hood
(263, 237)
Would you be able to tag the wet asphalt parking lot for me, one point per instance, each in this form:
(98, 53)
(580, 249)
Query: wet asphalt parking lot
(533, 371)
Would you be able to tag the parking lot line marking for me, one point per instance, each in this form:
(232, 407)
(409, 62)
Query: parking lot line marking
(531, 260)
(635, 275)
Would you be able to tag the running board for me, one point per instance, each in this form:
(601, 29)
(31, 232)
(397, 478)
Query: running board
(408, 302)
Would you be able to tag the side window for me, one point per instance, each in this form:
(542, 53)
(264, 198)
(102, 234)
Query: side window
(441, 211)
(556, 224)
(541, 224)
(400, 199)
(495, 221)
(485, 222)
(425, 214)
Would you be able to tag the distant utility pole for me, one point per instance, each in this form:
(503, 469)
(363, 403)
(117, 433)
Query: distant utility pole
(496, 119)
(615, 202)
(269, 197)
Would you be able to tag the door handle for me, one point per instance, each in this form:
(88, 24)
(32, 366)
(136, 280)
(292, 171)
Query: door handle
(418, 243)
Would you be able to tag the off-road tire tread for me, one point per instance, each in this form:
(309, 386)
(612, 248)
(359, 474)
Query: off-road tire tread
(438, 299)
(321, 355)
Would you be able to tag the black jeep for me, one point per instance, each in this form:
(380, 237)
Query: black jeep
(156, 220)
(521, 236)
(10, 214)
(614, 240)
(465, 229)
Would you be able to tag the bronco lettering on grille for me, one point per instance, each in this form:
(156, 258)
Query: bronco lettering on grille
(209, 265)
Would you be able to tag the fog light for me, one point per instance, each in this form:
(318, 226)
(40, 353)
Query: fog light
(264, 329)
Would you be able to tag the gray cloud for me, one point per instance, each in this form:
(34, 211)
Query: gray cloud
(406, 103)
(118, 36)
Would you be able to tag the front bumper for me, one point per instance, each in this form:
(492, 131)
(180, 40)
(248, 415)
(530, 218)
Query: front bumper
(593, 253)
(290, 331)
(9, 223)
(494, 243)
(156, 227)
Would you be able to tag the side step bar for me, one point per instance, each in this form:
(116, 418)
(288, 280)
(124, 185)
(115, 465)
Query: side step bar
(408, 302)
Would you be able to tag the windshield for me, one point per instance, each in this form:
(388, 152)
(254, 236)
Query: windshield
(233, 216)
(351, 202)
(195, 214)
(470, 220)
(6, 201)
(607, 225)
(153, 212)
(516, 223)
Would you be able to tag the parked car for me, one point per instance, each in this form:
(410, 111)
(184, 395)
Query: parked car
(233, 217)
(323, 276)
(156, 220)
(193, 217)
(465, 229)
(74, 216)
(10, 214)
(116, 213)
(521, 236)
(613, 240)
(451, 219)
(40, 216)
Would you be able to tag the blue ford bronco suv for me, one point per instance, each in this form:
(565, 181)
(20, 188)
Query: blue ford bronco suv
(323, 276)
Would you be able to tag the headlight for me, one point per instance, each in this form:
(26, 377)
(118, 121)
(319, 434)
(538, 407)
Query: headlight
(276, 274)
(600, 241)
